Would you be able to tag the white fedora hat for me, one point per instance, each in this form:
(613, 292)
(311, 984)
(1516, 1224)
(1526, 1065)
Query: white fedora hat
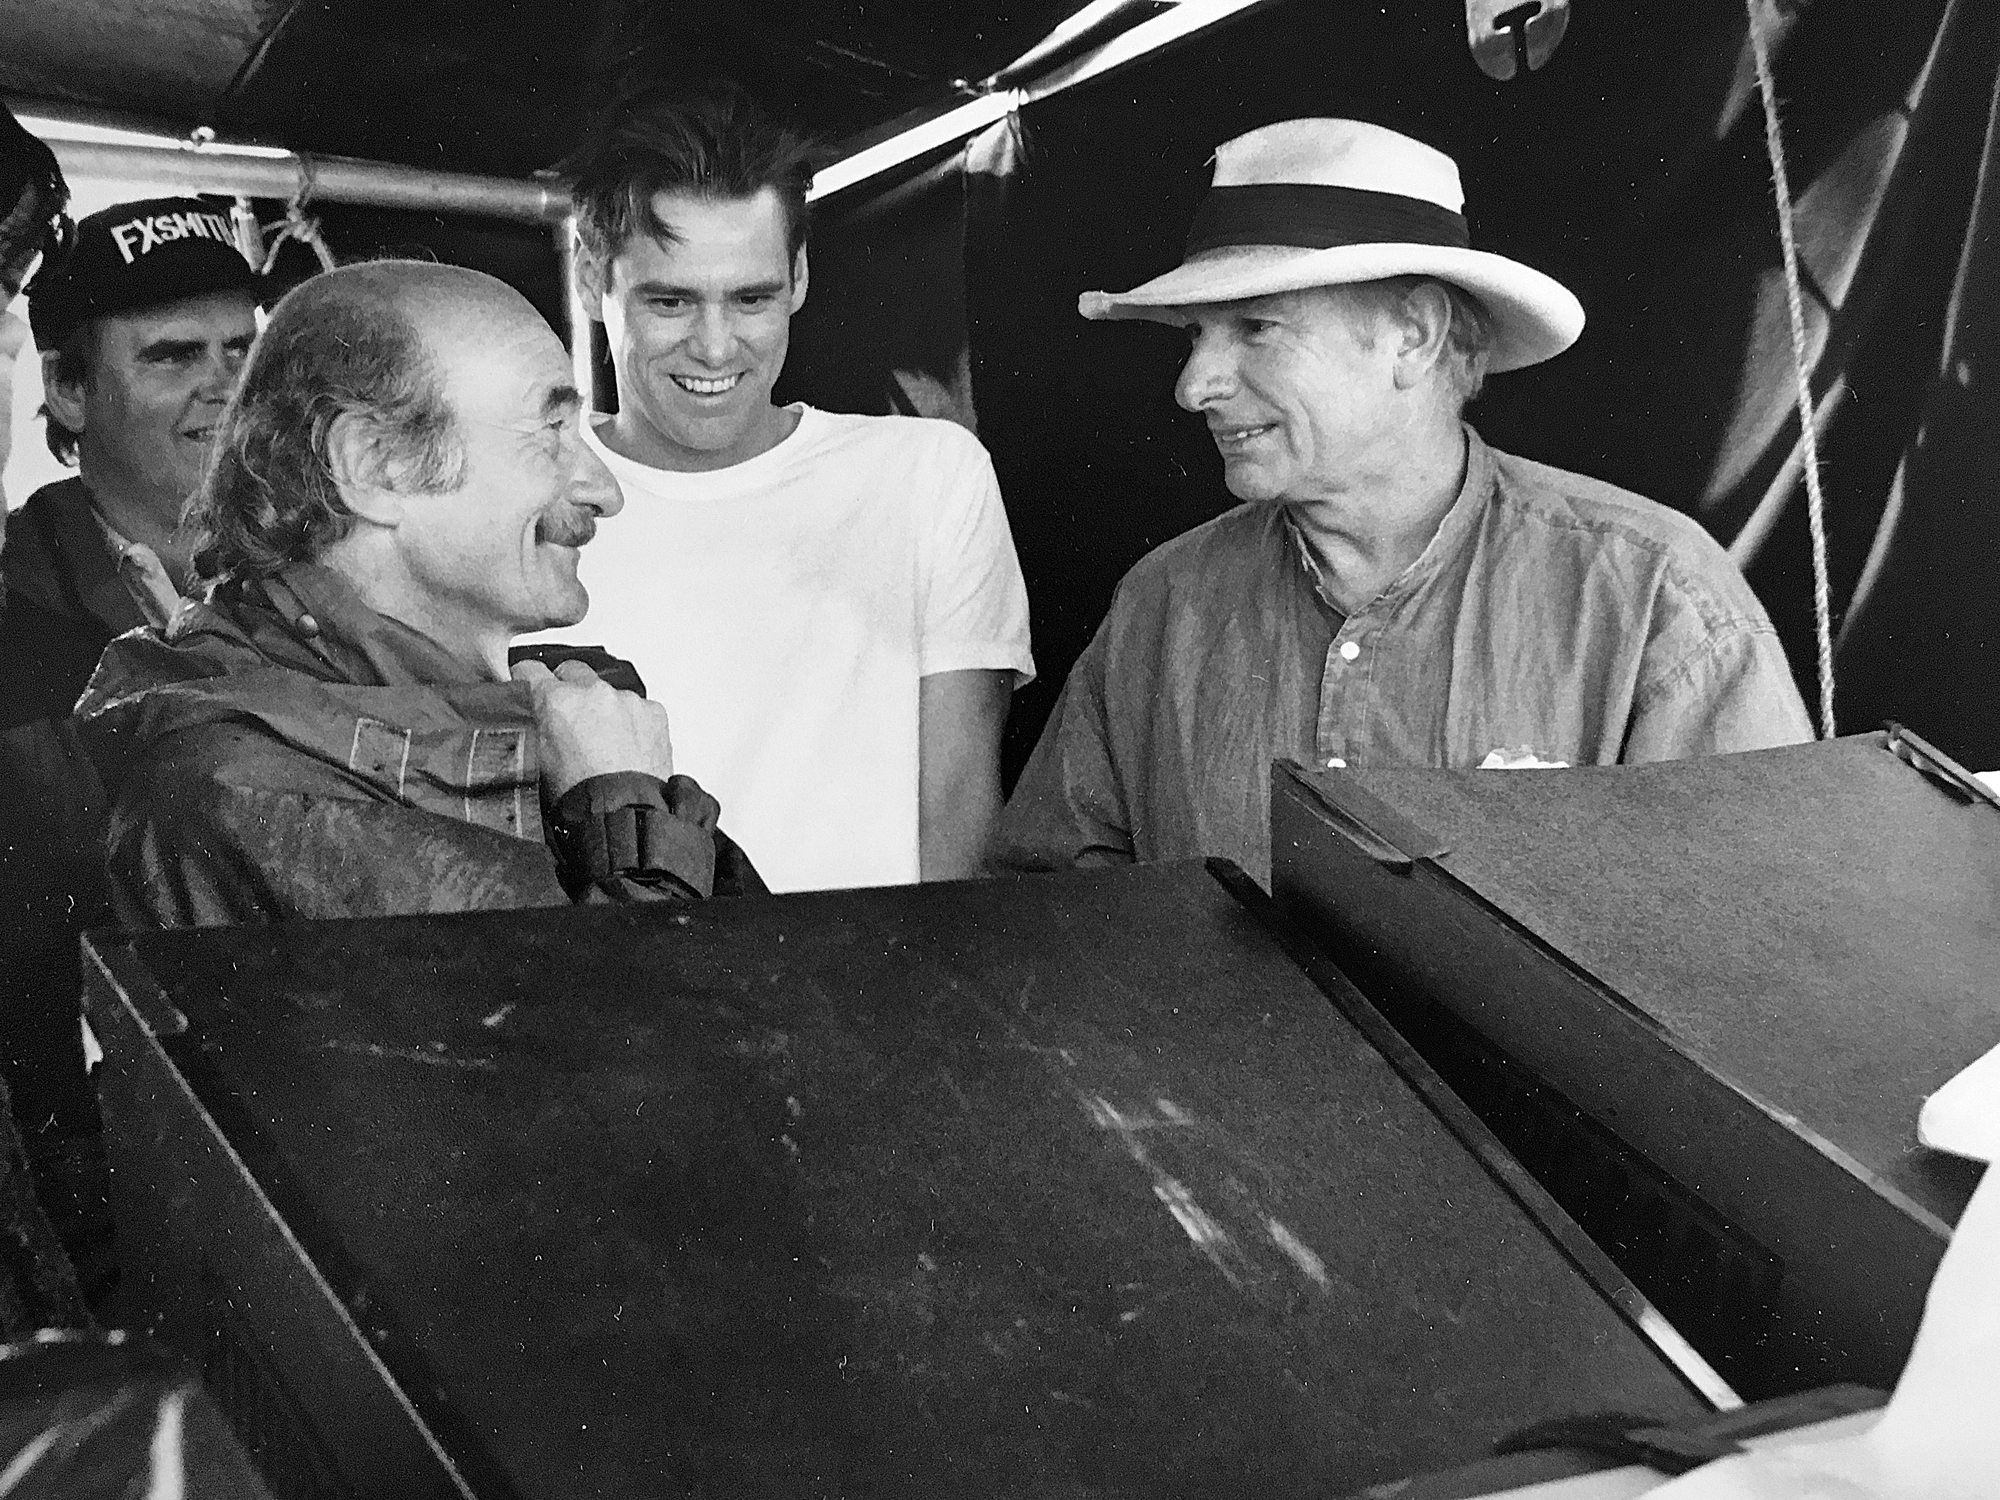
(1326, 202)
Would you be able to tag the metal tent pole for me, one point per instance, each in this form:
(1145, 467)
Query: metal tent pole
(324, 179)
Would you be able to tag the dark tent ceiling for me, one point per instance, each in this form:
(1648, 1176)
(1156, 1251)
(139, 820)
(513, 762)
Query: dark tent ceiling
(473, 85)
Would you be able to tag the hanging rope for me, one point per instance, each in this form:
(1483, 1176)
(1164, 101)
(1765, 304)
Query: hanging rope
(1774, 145)
(249, 233)
(297, 226)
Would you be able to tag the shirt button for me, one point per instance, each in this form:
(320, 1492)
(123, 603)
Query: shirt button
(1349, 650)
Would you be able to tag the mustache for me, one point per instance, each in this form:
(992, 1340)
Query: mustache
(566, 528)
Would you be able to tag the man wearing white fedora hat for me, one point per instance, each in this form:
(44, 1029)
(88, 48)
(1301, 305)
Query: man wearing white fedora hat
(1392, 591)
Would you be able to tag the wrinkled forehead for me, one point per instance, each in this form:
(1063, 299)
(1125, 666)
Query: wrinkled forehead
(498, 360)
(219, 315)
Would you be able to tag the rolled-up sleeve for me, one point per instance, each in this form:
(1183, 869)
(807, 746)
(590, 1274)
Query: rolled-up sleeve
(629, 836)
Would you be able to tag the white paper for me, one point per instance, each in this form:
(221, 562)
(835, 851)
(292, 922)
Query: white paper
(1963, 1117)
(1939, 1437)
(1519, 758)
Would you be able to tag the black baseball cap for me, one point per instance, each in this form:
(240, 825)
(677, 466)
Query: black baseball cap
(135, 255)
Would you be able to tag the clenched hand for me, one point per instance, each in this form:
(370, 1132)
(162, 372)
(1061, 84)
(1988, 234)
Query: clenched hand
(589, 728)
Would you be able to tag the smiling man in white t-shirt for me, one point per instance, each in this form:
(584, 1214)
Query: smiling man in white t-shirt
(829, 606)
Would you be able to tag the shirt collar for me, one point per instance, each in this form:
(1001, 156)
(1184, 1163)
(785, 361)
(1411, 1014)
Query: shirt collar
(323, 617)
(145, 577)
(1310, 564)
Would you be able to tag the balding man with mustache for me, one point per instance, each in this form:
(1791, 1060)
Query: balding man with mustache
(400, 488)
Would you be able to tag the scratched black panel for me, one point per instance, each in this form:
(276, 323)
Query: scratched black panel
(1767, 909)
(1073, 1185)
(1749, 969)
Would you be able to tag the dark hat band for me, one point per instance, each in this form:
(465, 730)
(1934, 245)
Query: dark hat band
(1318, 216)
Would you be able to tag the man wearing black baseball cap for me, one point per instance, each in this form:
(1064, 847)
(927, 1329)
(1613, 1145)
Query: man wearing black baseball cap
(142, 330)
(143, 326)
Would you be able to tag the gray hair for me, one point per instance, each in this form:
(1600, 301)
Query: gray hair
(341, 344)
(1468, 340)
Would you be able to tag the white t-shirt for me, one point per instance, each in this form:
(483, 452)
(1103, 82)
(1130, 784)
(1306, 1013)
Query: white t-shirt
(783, 610)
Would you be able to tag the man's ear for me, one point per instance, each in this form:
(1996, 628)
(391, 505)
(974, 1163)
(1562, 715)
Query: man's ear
(799, 279)
(593, 278)
(65, 401)
(354, 459)
(1421, 327)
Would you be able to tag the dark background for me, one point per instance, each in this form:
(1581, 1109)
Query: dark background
(1632, 167)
